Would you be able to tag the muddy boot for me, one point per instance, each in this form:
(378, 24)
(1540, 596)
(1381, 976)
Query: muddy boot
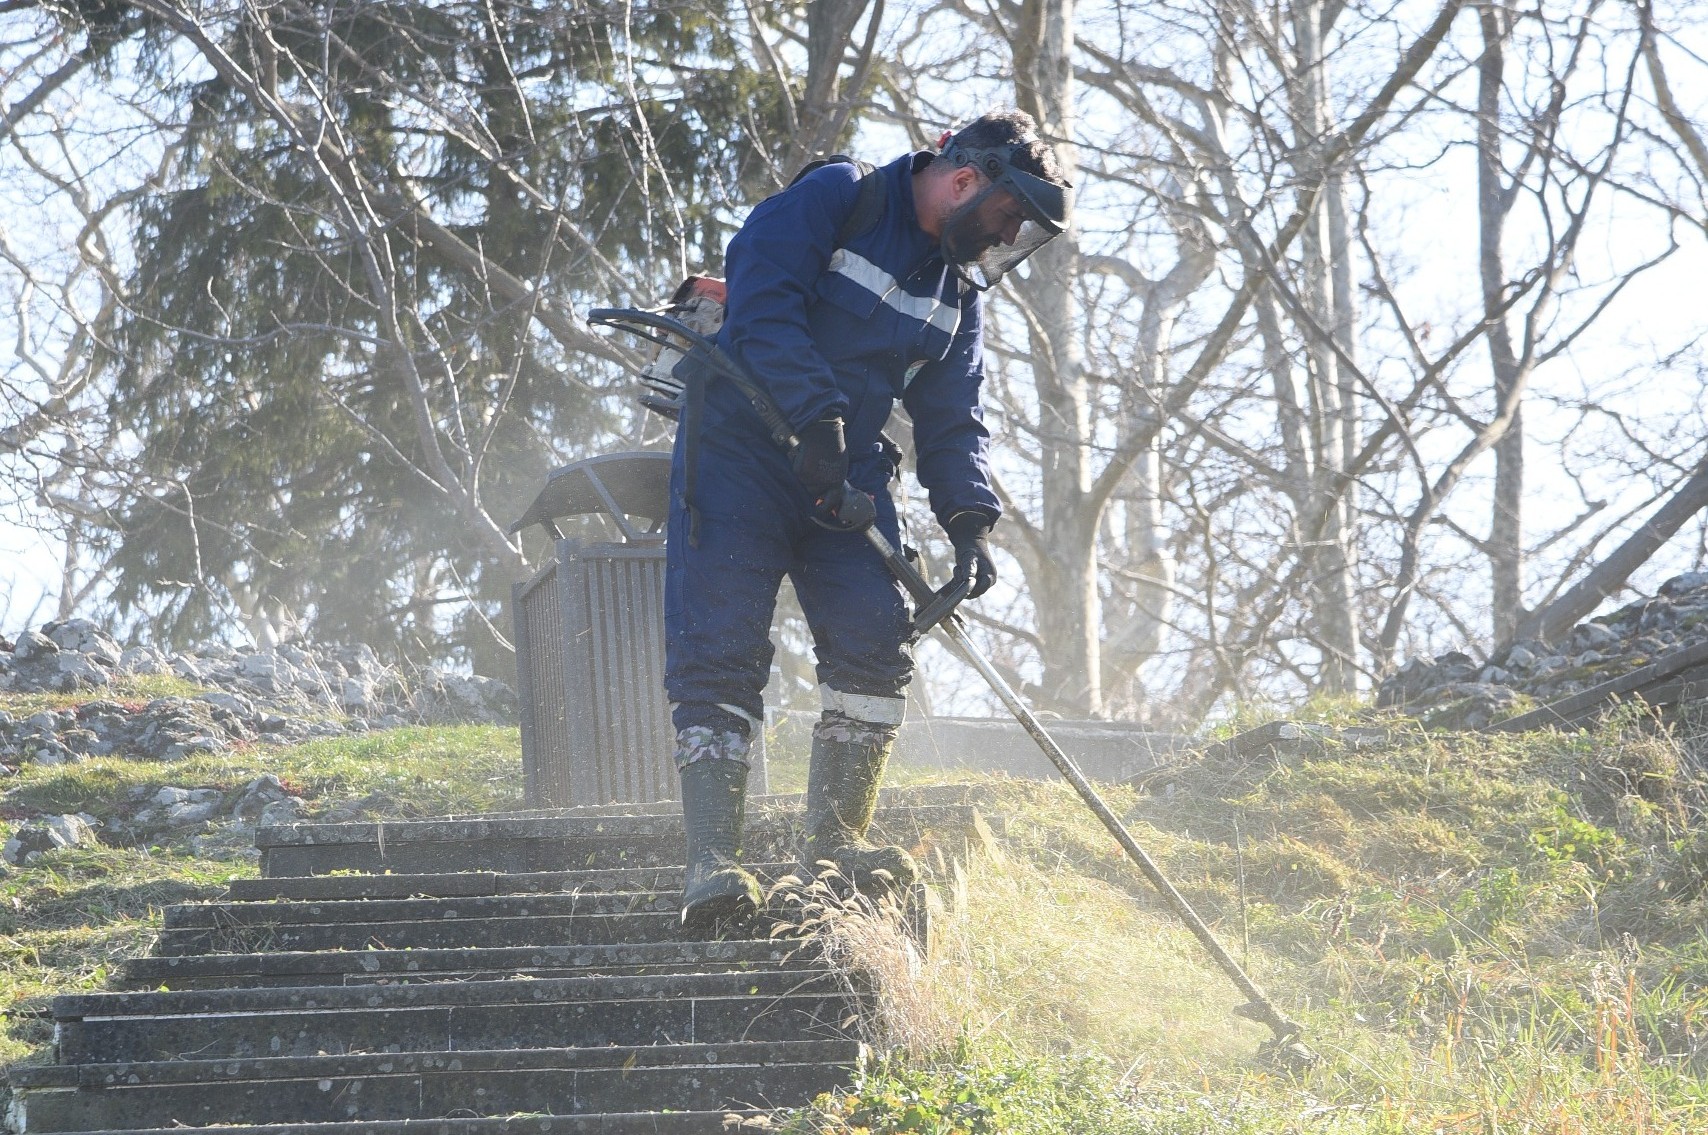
(717, 894)
(848, 758)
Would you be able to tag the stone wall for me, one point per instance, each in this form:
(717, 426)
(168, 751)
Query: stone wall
(1456, 691)
(287, 694)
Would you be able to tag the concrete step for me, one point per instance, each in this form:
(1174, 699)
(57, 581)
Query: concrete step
(442, 1016)
(431, 1085)
(468, 884)
(213, 915)
(435, 934)
(534, 843)
(361, 967)
(739, 1122)
(894, 796)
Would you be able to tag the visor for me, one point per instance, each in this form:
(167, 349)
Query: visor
(994, 263)
(1045, 204)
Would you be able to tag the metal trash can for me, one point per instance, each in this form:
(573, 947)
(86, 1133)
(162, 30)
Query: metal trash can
(589, 634)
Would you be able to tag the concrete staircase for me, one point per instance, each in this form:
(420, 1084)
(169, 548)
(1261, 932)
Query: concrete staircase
(518, 973)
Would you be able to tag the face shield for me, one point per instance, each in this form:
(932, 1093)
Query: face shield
(1014, 215)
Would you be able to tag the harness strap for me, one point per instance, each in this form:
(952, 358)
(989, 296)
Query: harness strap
(693, 409)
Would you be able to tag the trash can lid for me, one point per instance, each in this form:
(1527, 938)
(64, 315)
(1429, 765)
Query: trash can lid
(620, 485)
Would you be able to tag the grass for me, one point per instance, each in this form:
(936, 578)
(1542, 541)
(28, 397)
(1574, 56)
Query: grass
(130, 688)
(415, 771)
(1482, 934)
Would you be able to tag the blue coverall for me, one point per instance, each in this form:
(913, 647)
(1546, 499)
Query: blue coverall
(827, 331)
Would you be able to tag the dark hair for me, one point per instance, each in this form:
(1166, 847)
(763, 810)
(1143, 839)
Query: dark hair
(1006, 127)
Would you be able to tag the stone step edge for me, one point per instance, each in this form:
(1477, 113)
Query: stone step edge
(555, 990)
(893, 796)
(405, 962)
(563, 828)
(463, 884)
(221, 915)
(729, 1054)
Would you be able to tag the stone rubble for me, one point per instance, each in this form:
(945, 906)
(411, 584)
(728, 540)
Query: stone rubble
(1455, 691)
(46, 834)
(285, 694)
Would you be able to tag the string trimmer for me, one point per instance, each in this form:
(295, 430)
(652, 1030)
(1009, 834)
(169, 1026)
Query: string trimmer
(935, 609)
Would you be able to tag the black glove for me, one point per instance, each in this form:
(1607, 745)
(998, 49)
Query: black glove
(821, 458)
(967, 531)
(845, 509)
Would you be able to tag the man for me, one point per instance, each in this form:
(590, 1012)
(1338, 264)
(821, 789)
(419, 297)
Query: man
(835, 327)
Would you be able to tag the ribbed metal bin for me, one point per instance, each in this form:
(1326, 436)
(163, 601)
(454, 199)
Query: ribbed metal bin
(589, 632)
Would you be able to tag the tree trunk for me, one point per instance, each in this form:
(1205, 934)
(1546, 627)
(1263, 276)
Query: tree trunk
(1553, 621)
(1329, 531)
(1506, 528)
(1070, 609)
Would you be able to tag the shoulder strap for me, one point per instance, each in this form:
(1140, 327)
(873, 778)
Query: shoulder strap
(868, 206)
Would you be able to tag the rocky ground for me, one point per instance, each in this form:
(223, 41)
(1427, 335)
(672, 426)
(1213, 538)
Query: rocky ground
(283, 695)
(1457, 691)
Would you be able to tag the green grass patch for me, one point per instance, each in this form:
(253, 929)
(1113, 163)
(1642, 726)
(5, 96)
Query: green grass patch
(416, 771)
(124, 688)
(1482, 934)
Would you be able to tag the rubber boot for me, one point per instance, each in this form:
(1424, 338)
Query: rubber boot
(848, 759)
(716, 892)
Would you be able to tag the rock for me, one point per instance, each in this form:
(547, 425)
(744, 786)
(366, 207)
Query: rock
(190, 746)
(79, 671)
(81, 636)
(1595, 636)
(267, 671)
(33, 645)
(143, 660)
(286, 811)
(1595, 651)
(246, 692)
(234, 704)
(442, 697)
(194, 812)
(356, 695)
(1656, 613)
(84, 741)
(181, 807)
(45, 751)
(49, 833)
(1689, 581)
(257, 796)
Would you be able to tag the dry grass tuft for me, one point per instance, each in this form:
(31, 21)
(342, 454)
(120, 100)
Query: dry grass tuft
(870, 941)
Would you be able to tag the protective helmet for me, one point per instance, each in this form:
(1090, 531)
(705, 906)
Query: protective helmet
(969, 245)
